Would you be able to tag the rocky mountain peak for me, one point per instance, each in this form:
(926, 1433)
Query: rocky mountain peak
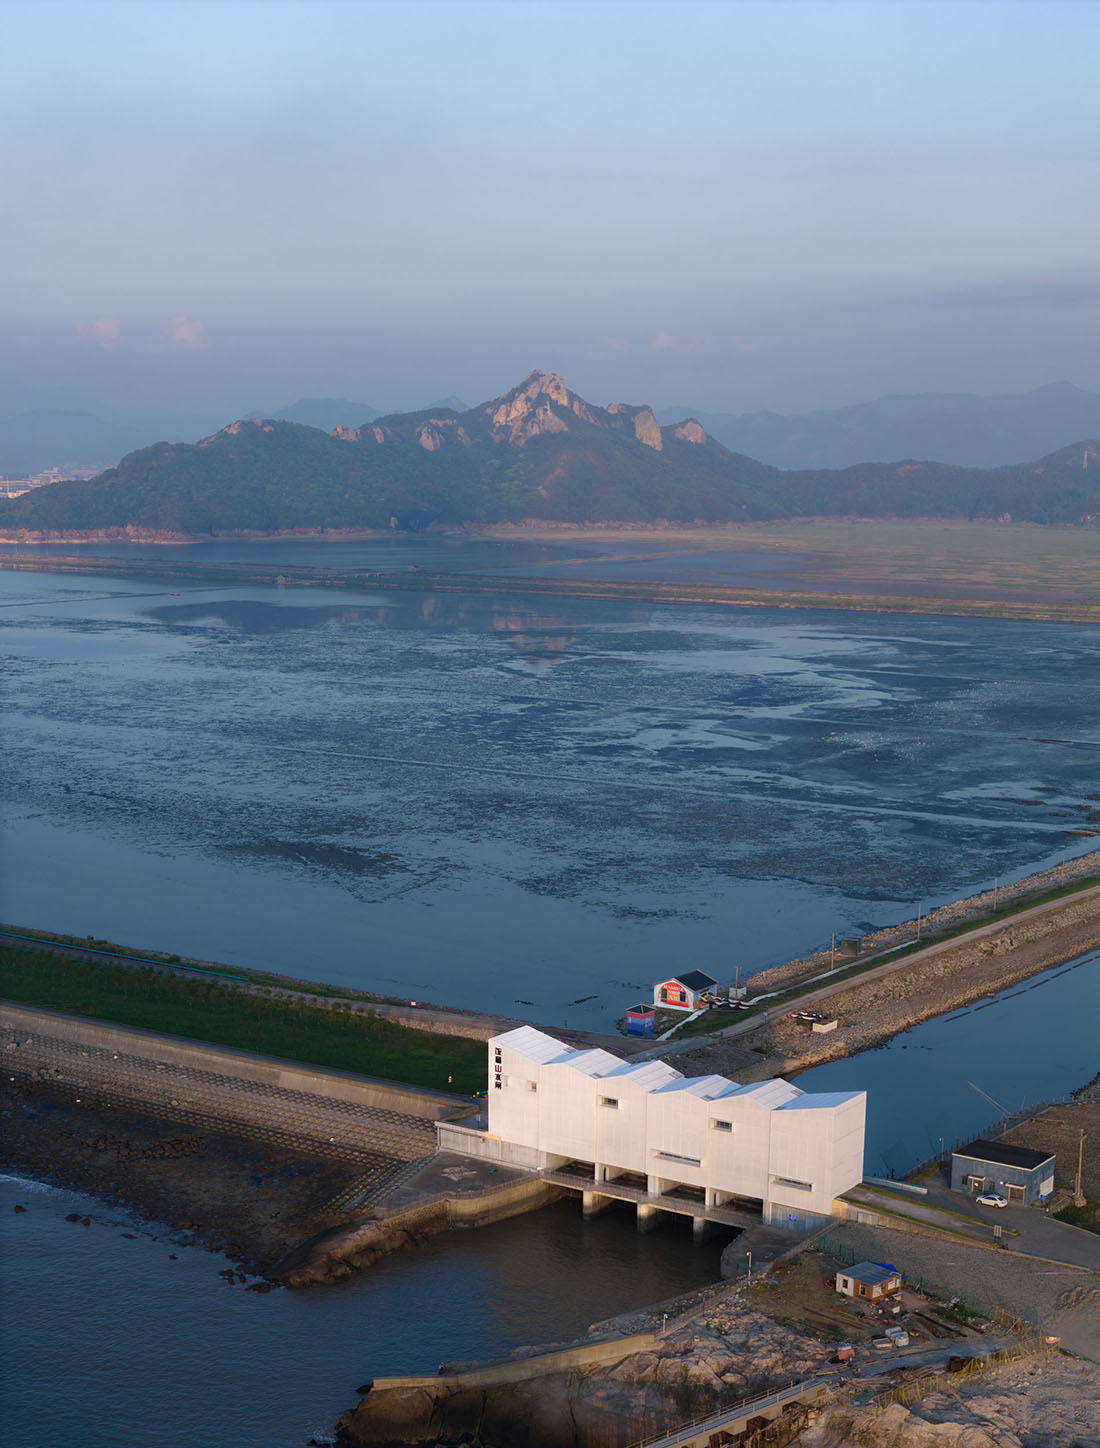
(646, 427)
(690, 431)
(540, 404)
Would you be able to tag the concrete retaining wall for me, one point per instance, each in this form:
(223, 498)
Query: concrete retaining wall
(245, 1065)
(340, 1252)
(582, 1355)
(468, 1141)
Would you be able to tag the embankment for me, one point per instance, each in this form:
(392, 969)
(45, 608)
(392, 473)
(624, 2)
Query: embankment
(247, 1154)
(875, 1008)
(979, 908)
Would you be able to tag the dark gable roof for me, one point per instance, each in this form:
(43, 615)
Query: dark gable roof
(1001, 1154)
(871, 1274)
(695, 980)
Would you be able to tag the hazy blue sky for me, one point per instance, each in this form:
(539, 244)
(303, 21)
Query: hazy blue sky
(224, 205)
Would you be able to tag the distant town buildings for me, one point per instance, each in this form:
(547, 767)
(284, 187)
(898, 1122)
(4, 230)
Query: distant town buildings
(16, 487)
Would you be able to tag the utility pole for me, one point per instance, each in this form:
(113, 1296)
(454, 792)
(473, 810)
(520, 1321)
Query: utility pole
(918, 919)
(832, 952)
(1078, 1195)
(995, 880)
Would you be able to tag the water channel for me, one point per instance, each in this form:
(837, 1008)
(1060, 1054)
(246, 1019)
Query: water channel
(1037, 1041)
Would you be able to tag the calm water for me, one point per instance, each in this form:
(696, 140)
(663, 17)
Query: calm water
(527, 805)
(531, 805)
(108, 1343)
(1032, 1043)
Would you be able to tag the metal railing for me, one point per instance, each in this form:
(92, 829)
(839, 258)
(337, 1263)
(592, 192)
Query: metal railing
(796, 1388)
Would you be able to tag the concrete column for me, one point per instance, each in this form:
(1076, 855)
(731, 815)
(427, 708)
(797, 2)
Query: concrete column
(648, 1216)
(700, 1230)
(593, 1203)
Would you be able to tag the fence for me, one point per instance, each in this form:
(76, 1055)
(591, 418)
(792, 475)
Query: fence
(912, 1392)
(993, 1132)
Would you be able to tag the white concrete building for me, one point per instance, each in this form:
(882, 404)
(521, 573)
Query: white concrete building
(768, 1144)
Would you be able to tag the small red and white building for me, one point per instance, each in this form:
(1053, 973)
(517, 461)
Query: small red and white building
(870, 1280)
(687, 992)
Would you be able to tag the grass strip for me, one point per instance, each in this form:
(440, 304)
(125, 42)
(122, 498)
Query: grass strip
(224, 1015)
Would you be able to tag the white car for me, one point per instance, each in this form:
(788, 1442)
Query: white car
(991, 1199)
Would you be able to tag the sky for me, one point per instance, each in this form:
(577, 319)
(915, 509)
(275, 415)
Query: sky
(213, 206)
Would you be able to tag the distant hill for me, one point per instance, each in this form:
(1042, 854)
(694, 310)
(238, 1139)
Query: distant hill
(49, 437)
(948, 427)
(538, 452)
(325, 413)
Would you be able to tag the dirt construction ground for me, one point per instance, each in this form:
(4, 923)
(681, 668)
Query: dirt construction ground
(1064, 1301)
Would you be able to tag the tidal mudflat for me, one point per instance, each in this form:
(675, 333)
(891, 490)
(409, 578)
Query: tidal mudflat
(529, 805)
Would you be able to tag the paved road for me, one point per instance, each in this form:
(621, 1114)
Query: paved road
(1039, 1235)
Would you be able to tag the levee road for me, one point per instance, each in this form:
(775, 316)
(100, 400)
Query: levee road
(884, 999)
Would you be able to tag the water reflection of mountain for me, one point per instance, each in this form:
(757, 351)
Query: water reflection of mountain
(537, 636)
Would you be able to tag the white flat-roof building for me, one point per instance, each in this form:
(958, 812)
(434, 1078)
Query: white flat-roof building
(791, 1151)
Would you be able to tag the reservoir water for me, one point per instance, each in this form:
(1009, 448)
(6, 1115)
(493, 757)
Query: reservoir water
(115, 1342)
(533, 805)
(528, 805)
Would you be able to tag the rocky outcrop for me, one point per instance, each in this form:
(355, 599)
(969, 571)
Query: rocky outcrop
(727, 1356)
(1048, 1402)
(896, 1427)
(646, 427)
(690, 431)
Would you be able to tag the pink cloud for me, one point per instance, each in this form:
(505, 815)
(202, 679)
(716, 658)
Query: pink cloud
(606, 344)
(103, 330)
(186, 332)
(664, 341)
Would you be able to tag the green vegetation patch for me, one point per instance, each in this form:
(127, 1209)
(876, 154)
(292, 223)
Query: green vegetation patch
(1087, 1216)
(155, 1000)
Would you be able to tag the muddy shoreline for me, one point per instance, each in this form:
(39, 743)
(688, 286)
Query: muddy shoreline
(843, 599)
(251, 1202)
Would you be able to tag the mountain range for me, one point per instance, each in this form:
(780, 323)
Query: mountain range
(946, 427)
(539, 452)
(950, 427)
(50, 437)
